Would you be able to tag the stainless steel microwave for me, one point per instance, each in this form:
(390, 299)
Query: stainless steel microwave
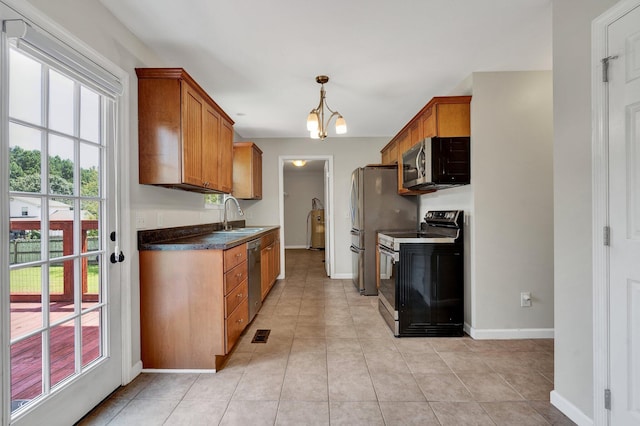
(437, 163)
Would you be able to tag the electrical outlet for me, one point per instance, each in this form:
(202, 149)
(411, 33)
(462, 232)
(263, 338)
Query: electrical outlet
(140, 221)
(525, 299)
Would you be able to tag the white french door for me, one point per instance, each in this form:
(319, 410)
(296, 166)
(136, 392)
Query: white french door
(60, 301)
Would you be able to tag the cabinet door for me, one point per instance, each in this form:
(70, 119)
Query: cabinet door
(210, 137)
(225, 157)
(256, 171)
(265, 270)
(192, 116)
(236, 323)
(276, 260)
(453, 120)
(429, 123)
(415, 133)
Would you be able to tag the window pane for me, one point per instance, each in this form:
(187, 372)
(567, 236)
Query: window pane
(26, 303)
(91, 281)
(26, 370)
(25, 88)
(62, 351)
(61, 165)
(24, 237)
(61, 294)
(24, 158)
(90, 212)
(60, 103)
(91, 343)
(89, 170)
(89, 115)
(61, 227)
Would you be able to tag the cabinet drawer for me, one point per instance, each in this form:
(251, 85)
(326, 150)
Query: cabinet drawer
(235, 297)
(234, 277)
(235, 256)
(268, 239)
(235, 324)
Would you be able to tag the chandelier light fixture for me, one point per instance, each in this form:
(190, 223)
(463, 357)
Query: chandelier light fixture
(316, 124)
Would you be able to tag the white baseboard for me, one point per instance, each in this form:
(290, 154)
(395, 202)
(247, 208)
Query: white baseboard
(342, 276)
(508, 333)
(296, 247)
(171, 370)
(570, 410)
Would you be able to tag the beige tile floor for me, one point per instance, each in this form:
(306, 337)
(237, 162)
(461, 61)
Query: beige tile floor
(330, 359)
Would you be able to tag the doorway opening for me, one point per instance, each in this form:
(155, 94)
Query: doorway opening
(298, 214)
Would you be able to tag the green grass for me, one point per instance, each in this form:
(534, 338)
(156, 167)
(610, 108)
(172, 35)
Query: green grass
(27, 280)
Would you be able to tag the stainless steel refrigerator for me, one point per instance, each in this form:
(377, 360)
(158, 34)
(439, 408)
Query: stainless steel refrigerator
(375, 206)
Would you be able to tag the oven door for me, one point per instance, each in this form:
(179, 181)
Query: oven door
(387, 274)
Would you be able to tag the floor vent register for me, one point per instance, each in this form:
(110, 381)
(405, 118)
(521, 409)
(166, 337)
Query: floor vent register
(261, 336)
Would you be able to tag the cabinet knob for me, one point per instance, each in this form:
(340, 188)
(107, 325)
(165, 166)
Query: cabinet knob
(240, 321)
(238, 254)
(239, 295)
(239, 275)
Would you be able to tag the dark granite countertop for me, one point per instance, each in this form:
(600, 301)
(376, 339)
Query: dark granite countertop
(199, 237)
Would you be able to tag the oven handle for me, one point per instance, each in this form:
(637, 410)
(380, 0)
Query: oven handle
(390, 253)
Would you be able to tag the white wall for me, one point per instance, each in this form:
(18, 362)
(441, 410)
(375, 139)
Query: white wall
(512, 128)
(509, 204)
(348, 154)
(572, 199)
(90, 22)
(300, 188)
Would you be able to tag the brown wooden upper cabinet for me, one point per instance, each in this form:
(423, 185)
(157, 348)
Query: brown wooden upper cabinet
(185, 140)
(247, 171)
(444, 116)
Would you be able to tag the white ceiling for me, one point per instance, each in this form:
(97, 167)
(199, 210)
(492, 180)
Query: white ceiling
(312, 166)
(258, 59)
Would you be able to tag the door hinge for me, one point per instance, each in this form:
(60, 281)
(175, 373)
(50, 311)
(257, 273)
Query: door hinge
(606, 236)
(607, 399)
(605, 67)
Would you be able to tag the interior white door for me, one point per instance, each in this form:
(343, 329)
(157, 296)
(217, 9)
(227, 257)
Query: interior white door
(624, 211)
(327, 220)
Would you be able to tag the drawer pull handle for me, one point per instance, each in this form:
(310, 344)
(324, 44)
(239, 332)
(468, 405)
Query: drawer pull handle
(238, 254)
(239, 295)
(239, 275)
(240, 321)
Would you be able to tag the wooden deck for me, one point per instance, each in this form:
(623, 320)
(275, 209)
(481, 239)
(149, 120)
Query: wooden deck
(26, 355)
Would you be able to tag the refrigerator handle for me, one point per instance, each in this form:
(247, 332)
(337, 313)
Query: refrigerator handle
(354, 249)
(355, 231)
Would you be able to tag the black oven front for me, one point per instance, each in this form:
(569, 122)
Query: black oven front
(421, 277)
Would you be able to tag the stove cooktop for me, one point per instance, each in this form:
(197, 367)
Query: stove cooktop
(393, 239)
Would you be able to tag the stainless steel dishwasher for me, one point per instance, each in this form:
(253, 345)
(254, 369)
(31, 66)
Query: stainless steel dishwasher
(255, 276)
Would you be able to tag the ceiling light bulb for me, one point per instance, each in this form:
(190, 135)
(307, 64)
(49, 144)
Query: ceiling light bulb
(299, 163)
(314, 134)
(341, 126)
(312, 122)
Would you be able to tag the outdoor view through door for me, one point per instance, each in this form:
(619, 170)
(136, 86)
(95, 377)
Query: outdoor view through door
(57, 127)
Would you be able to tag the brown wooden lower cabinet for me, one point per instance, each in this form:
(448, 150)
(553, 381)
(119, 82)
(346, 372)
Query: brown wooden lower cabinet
(193, 306)
(269, 261)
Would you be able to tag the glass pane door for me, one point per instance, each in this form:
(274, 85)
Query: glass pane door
(58, 132)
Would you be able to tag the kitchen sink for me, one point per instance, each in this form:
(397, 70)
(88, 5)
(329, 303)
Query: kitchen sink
(248, 230)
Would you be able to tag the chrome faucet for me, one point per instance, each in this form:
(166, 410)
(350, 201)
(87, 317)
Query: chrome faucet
(225, 225)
